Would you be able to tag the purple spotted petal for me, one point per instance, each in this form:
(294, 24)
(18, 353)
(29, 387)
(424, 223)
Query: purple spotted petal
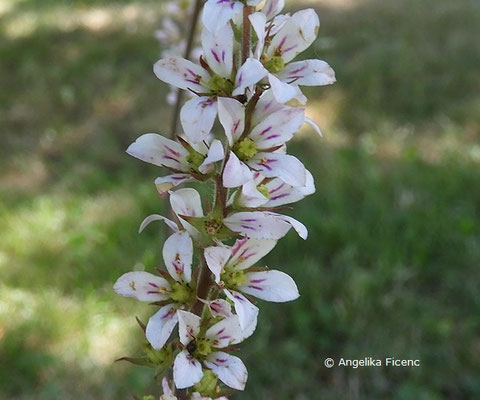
(275, 286)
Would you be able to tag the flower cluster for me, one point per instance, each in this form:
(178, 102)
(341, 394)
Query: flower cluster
(247, 79)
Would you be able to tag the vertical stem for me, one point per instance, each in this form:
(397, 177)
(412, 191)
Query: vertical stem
(221, 192)
(181, 394)
(188, 51)
(204, 285)
(247, 32)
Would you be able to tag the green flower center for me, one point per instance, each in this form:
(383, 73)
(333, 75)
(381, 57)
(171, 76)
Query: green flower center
(212, 226)
(245, 149)
(220, 85)
(275, 64)
(195, 159)
(203, 348)
(180, 293)
(233, 278)
(263, 190)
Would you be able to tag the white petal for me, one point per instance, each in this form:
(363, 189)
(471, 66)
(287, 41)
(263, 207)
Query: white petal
(308, 73)
(258, 21)
(165, 183)
(309, 187)
(230, 369)
(282, 91)
(278, 127)
(160, 325)
(231, 114)
(225, 333)
(215, 153)
(216, 258)
(142, 286)
(200, 147)
(248, 330)
(295, 36)
(197, 117)
(267, 105)
(273, 8)
(281, 193)
(250, 196)
(257, 224)
(278, 23)
(186, 370)
(253, 2)
(218, 50)
(246, 311)
(166, 386)
(288, 168)
(270, 285)
(155, 217)
(186, 202)
(251, 72)
(315, 127)
(158, 150)
(220, 308)
(235, 173)
(177, 255)
(184, 74)
(246, 252)
(297, 225)
(188, 326)
(216, 13)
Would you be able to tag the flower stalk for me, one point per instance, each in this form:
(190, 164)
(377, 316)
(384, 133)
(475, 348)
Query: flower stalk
(260, 107)
(188, 51)
(246, 32)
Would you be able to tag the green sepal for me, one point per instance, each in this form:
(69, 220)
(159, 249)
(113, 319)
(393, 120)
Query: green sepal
(160, 359)
(209, 228)
(142, 361)
(208, 385)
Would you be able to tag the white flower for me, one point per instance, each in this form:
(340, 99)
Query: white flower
(198, 114)
(222, 308)
(203, 349)
(217, 13)
(176, 291)
(230, 267)
(187, 161)
(186, 203)
(271, 128)
(272, 193)
(295, 35)
(264, 225)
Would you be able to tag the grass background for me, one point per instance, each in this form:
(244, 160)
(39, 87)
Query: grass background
(391, 264)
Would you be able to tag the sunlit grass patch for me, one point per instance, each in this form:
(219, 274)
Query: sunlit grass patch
(66, 17)
(48, 336)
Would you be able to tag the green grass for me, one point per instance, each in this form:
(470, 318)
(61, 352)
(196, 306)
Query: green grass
(391, 264)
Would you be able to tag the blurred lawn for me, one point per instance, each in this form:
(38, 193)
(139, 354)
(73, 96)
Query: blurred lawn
(391, 264)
